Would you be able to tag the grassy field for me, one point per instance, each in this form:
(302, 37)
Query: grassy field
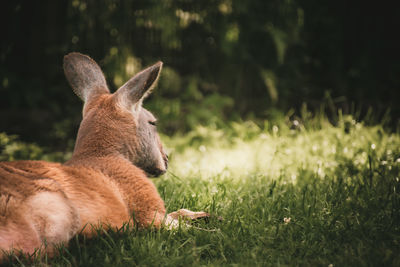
(293, 193)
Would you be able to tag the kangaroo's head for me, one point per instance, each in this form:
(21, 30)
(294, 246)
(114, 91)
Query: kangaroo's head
(116, 124)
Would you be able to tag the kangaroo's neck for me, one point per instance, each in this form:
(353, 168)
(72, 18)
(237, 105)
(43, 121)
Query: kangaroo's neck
(123, 173)
(116, 167)
(101, 132)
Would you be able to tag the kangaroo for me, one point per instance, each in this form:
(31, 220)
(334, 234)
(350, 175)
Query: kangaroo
(105, 183)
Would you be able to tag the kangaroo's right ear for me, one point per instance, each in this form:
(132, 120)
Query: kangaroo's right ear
(84, 76)
(132, 93)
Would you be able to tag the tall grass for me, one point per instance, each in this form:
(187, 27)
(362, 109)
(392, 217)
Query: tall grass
(291, 193)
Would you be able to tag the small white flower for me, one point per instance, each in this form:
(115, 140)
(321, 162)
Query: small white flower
(286, 220)
(373, 146)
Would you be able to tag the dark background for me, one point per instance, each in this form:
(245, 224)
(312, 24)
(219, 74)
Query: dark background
(224, 59)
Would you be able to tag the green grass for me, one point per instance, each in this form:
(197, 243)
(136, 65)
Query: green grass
(307, 194)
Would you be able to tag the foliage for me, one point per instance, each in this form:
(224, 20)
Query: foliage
(223, 58)
(13, 149)
(291, 192)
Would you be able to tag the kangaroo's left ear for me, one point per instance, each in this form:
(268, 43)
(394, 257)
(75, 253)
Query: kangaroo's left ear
(84, 76)
(132, 93)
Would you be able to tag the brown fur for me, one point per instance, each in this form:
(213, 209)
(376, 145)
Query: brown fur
(105, 181)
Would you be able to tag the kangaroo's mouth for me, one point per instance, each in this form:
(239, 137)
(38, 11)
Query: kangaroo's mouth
(155, 171)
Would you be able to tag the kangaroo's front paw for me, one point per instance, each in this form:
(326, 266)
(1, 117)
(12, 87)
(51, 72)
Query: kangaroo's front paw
(177, 218)
(188, 214)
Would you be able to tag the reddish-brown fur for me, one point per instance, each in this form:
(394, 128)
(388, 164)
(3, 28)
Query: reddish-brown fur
(103, 183)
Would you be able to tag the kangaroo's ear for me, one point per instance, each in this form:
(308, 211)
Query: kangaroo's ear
(132, 93)
(84, 75)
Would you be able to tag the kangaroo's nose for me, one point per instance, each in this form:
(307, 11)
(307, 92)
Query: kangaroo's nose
(159, 172)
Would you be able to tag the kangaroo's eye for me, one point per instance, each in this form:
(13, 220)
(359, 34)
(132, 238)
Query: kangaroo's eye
(153, 123)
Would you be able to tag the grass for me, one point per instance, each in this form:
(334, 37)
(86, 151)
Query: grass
(293, 193)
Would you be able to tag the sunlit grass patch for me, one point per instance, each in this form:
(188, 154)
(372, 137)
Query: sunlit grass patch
(286, 152)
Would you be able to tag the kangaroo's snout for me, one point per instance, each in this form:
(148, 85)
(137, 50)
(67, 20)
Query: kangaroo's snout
(159, 169)
(158, 172)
